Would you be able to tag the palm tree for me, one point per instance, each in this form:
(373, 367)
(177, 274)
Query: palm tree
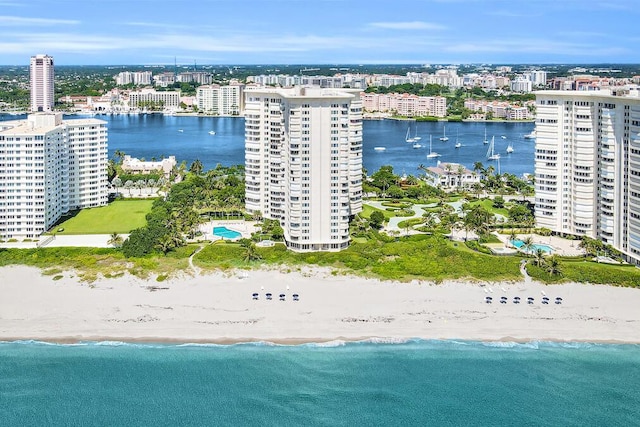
(460, 171)
(196, 167)
(553, 266)
(115, 240)
(513, 235)
(119, 155)
(478, 168)
(527, 244)
(538, 255)
(250, 252)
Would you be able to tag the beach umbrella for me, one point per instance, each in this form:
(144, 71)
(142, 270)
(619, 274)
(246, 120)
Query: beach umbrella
(295, 297)
(255, 295)
(269, 296)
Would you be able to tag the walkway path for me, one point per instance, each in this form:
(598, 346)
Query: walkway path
(196, 270)
(392, 225)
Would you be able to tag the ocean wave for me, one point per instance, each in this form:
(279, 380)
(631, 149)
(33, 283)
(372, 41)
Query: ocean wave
(417, 343)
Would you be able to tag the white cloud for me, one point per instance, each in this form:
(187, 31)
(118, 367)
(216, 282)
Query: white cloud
(21, 21)
(412, 25)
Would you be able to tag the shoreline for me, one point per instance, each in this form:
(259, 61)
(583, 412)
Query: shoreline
(218, 308)
(289, 342)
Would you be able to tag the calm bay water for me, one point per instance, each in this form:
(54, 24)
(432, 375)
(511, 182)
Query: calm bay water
(188, 138)
(412, 383)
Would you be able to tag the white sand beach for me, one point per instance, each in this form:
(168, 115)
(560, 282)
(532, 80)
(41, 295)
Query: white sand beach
(219, 308)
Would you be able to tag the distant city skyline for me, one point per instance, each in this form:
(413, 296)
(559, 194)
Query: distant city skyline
(319, 32)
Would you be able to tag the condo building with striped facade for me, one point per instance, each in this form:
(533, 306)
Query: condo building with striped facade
(49, 167)
(221, 100)
(587, 167)
(303, 162)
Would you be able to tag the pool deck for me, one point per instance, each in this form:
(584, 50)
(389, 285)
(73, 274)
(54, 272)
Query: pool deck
(245, 228)
(560, 246)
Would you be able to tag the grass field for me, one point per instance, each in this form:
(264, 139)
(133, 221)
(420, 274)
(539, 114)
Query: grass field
(120, 216)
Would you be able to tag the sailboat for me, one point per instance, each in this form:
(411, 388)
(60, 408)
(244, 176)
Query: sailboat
(444, 135)
(491, 155)
(531, 135)
(432, 154)
(509, 148)
(486, 141)
(458, 145)
(408, 138)
(415, 136)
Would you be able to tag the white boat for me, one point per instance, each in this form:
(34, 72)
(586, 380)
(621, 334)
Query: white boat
(509, 148)
(458, 145)
(486, 141)
(415, 136)
(416, 145)
(503, 137)
(444, 134)
(180, 130)
(408, 138)
(379, 148)
(491, 155)
(432, 154)
(531, 135)
(211, 132)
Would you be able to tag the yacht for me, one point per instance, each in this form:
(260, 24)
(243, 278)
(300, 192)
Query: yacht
(417, 145)
(180, 130)
(531, 135)
(379, 148)
(211, 132)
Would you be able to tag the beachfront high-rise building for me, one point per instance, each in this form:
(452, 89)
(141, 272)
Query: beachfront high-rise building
(41, 77)
(49, 167)
(303, 159)
(587, 167)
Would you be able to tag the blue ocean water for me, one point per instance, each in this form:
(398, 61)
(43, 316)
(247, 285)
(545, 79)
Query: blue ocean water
(188, 138)
(410, 383)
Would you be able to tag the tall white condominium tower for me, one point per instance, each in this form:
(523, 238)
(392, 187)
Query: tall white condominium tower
(41, 72)
(587, 167)
(303, 157)
(48, 167)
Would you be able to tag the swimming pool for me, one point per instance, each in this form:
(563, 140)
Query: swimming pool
(225, 233)
(545, 248)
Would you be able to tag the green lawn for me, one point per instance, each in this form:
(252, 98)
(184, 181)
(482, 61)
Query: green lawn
(120, 216)
(488, 205)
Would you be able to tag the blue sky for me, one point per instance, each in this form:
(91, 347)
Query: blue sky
(77, 32)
